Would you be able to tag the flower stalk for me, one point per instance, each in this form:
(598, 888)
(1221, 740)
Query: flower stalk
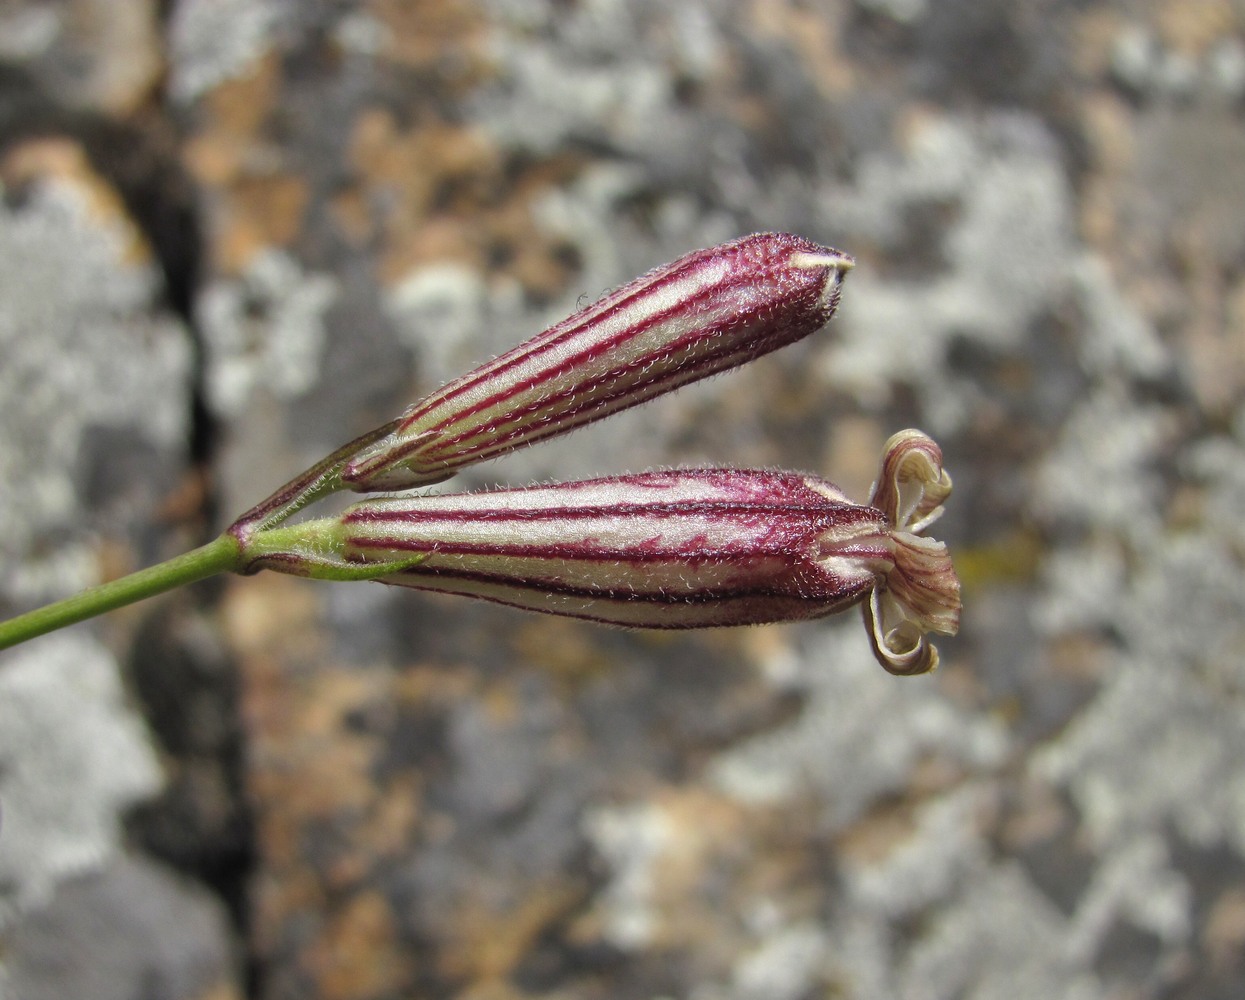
(221, 555)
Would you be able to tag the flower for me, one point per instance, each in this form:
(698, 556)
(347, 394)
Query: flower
(922, 595)
(687, 548)
(708, 311)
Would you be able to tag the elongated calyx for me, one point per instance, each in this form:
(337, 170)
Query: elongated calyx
(706, 312)
(677, 549)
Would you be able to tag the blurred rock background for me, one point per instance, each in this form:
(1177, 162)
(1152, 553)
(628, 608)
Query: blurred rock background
(236, 233)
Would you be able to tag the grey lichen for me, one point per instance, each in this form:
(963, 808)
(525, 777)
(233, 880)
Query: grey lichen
(78, 308)
(1007, 253)
(211, 41)
(1150, 760)
(264, 330)
(72, 756)
(851, 707)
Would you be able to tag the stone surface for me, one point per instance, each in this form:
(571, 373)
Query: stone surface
(96, 375)
(445, 799)
(92, 56)
(92, 440)
(128, 930)
(72, 755)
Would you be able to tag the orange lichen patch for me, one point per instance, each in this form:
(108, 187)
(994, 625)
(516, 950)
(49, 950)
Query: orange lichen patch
(1109, 128)
(279, 838)
(381, 813)
(765, 645)
(852, 450)
(262, 612)
(219, 991)
(412, 184)
(914, 122)
(1193, 26)
(502, 240)
(780, 858)
(1080, 657)
(357, 953)
(241, 105)
(814, 36)
(515, 244)
(186, 502)
(111, 54)
(133, 33)
(274, 204)
(390, 826)
(1212, 320)
(486, 938)
(408, 175)
(1224, 931)
(439, 150)
(1093, 40)
(320, 782)
(322, 819)
(234, 115)
(1036, 816)
(257, 205)
(934, 774)
(446, 36)
(422, 686)
(313, 765)
(115, 559)
(329, 696)
(64, 161)
(566, 649)
(259, 212)
(502, 704)
(352, 216)
(321, 807)
(438, 192)
(1234, 329)
(212, 159)
(1098, 214)
(873, 838)
(285, 890)
(706, 831)
(439, 241)
(710, 862)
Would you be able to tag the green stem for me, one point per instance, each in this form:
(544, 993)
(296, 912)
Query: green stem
(313, 549)
(219, 556)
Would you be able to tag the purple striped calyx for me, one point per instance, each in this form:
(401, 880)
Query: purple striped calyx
(708, 311)
(687, 548)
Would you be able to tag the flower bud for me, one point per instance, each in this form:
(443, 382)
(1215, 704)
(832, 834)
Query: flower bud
(706, 312)
(685, 549)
